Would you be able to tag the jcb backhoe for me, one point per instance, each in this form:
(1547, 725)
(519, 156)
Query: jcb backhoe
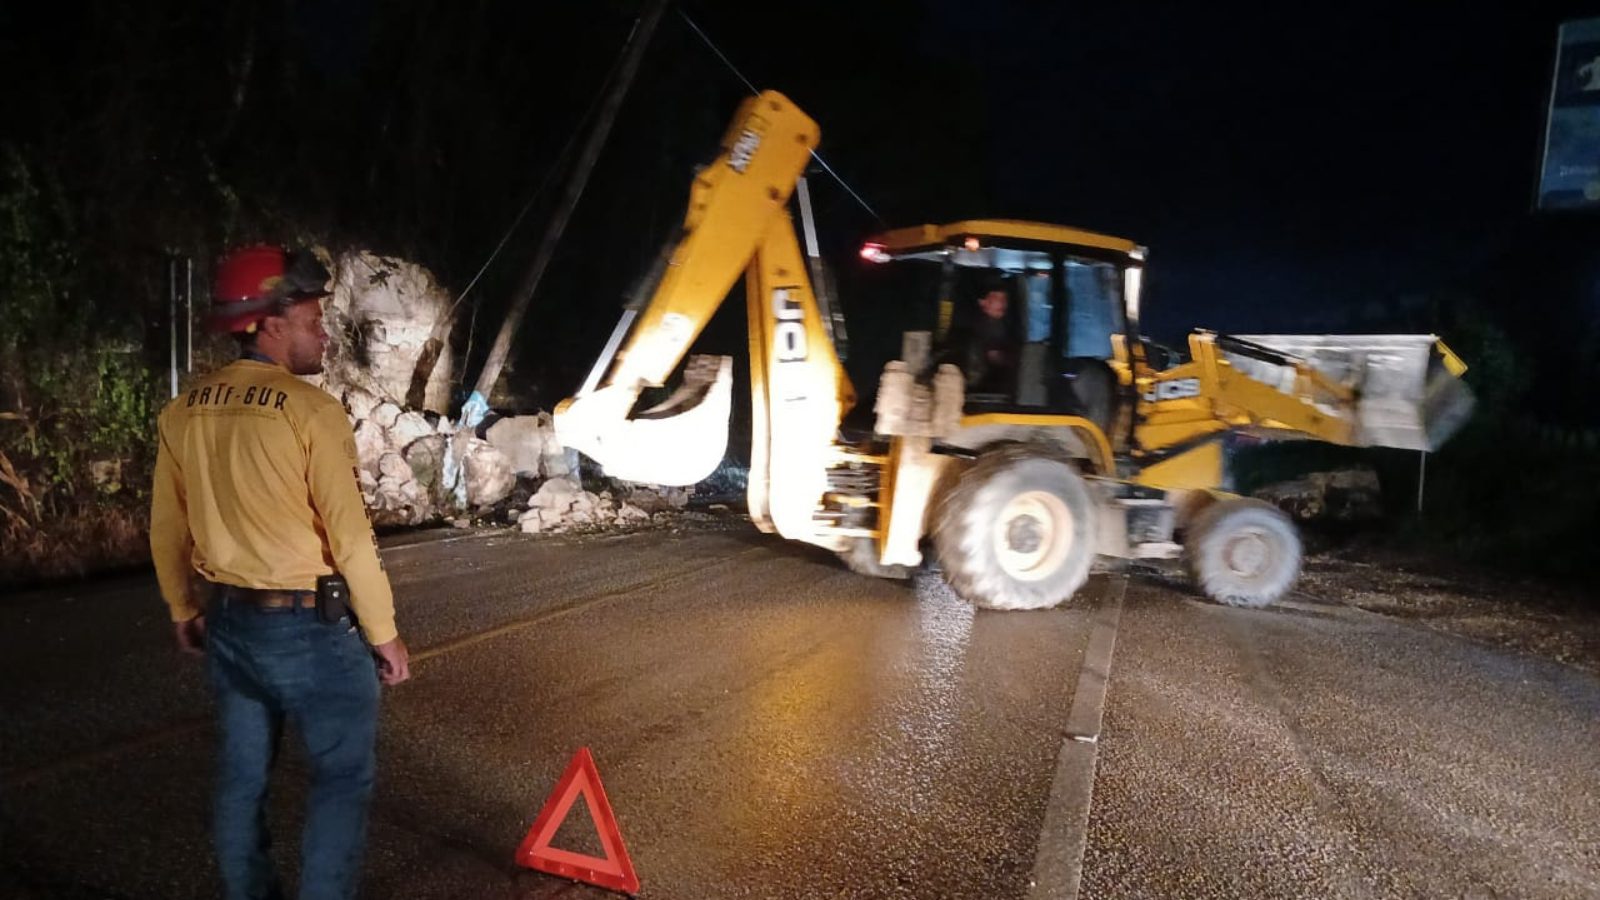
(1022, 446)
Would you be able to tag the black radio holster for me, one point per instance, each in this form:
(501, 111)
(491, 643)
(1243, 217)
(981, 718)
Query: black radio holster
(333, 598)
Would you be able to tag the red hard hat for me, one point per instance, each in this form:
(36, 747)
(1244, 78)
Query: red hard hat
(262, 280)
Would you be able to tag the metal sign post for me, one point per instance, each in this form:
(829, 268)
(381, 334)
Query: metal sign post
(188, 312)
(1422, 477)
(172, 320)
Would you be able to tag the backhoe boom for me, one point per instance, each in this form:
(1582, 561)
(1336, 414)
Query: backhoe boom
(737, 222)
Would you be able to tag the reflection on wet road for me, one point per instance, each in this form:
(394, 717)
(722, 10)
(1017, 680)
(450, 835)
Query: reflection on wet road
(768, 724)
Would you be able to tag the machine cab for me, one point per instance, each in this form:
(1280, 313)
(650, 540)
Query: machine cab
(1036, 316)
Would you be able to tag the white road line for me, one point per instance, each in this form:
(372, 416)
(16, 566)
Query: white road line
(449, 539)
(1058, 863)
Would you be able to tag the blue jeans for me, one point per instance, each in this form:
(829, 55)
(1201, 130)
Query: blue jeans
(268, 665)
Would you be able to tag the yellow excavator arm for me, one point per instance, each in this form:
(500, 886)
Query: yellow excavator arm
(1019, 497)
(737, 222)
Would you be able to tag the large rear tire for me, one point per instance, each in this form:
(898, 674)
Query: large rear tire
(1016, 531)
(1243, 552)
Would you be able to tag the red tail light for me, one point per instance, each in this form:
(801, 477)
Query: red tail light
(875, 253)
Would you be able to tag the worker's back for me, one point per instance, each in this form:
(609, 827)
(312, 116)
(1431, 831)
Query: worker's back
(240, 439)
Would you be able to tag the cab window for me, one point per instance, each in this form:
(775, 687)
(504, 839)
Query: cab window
(1094, 307)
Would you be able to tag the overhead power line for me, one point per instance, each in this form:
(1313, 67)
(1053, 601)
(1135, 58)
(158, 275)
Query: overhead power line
(752, 88)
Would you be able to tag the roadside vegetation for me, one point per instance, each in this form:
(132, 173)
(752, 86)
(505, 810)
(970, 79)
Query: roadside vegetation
(77, 395)
(1513, 491)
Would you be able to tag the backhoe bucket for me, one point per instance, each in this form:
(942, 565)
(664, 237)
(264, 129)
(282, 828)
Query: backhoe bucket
(1409, 393)
(679, 442)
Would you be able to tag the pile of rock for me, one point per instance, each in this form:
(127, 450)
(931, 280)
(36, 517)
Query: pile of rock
(388, 441)
(562, 504)
(1342, 495)
(411, 463)
(389, 361)
(529, 445)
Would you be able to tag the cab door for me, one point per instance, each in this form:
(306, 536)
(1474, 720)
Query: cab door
(1091, 313)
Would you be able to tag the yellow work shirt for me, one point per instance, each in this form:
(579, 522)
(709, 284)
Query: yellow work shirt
(255, 486)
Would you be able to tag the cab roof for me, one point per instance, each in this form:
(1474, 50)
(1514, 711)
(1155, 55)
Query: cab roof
(903, 241)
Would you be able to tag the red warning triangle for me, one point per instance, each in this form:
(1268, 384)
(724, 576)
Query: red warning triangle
(615, 871)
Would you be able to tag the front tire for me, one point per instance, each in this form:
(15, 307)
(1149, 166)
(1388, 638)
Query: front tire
(1016, 531)
(1243, 552)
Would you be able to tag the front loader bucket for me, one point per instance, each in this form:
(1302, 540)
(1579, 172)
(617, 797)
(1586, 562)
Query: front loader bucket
(1409, 393)
(679, 442)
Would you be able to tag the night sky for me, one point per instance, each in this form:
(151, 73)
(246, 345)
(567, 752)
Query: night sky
(1291, 167)
(1281, 162)
(1357, 167)
(1286, 165)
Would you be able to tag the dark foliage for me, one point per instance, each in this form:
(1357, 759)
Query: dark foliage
(135, 133)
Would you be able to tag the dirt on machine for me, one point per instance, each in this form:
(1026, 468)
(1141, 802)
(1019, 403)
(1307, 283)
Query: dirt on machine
(1016, 446)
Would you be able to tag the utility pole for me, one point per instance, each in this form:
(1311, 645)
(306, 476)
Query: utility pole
(477, 404)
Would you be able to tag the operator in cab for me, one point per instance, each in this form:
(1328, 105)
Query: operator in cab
(990, 360)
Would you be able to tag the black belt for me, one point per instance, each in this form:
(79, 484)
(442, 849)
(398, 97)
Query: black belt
(266, 598)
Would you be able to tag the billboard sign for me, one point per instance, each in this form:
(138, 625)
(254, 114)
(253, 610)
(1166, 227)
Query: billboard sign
(1570, 175)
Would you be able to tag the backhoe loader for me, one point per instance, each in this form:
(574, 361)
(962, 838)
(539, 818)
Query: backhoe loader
(1082, 446)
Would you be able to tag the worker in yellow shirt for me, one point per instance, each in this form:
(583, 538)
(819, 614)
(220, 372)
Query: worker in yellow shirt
(267, 561)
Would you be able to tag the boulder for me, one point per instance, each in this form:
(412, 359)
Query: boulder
(385, 414)
(390, 319)
(522, 440)
(585, 502)
(487, 472)
(629, 514)
(555, 461)
(582, 516)
(555, 495)
(392, 466)
(425, 456)
(533, 521)
(359, 403)
(371, 443)
(396, 501)
(409, 426)
(558, 462)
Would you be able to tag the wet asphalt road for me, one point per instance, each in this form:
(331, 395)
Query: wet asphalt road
(768, 725)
